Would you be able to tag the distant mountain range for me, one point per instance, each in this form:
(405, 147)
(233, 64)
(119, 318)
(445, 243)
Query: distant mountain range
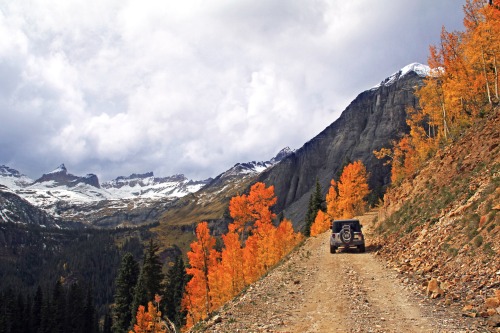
(83, 199)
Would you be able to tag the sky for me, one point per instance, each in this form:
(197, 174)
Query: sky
(115, 87)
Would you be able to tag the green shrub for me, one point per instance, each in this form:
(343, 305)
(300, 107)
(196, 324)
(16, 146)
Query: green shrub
(478, 241)
(453, 251)
(488, 249)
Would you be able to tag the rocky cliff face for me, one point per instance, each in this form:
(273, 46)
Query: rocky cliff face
(369, 123)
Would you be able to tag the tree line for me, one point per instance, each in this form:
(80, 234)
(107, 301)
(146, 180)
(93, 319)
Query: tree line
(57, 310)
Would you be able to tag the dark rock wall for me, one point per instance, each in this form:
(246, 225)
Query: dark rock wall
(370, 122)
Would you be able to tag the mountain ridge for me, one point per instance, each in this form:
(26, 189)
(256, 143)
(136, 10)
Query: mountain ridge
(136, 199)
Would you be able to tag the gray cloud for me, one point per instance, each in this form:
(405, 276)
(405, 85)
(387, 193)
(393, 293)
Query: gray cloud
(116, 87)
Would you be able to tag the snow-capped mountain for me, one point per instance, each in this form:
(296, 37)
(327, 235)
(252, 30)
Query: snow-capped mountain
(14, 209)
(59, 184)
(147, 185)
(420, 69)
(130, 199)
(285, 152)
(13, 178)
(61, 177)
(253, 167)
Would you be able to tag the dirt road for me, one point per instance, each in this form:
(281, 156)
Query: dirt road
(315, 291)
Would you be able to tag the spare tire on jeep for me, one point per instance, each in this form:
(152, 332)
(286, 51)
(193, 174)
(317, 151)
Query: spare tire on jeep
(346, 234)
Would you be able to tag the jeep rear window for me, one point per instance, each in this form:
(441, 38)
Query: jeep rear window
(337, 226)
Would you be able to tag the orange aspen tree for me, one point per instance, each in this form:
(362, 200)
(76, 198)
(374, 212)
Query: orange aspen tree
(253, 212)
(239, 211)
(481, 47)
(332, 206)
(232, 262)
(353, 188)
(150, 321)
(463, 85)
(254, 208)
(219, 290)
(267, 247)
(491, 27)
(202, 260)
(321, 223)
(218, 277)
(261, 199)
(286, 237)
(251, 268)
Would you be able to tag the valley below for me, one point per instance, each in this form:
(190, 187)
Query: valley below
(315, 291)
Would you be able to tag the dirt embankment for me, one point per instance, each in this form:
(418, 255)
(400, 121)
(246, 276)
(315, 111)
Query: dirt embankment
(443, 223)
(315, 291)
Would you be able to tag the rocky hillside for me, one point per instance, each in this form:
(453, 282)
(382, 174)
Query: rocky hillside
(443, 224)
(370, 122)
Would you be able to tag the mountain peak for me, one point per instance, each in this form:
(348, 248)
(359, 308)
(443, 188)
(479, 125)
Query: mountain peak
(417, 68)
(60, 169)
(5, 171)
(60, 177)
(282, 154)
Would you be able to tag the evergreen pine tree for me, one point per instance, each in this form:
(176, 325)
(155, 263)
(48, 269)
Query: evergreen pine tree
(153, 272)
(90, 324)
(74, 309)
(18, 312)
(126, 281)
(36, 310)
(6, 310)
(315, 204)
(318, 197)
(176, 280)
(308, 219)
(58, 306)
(45, 316)
(139, 297)
(150, 280)
(27, 320)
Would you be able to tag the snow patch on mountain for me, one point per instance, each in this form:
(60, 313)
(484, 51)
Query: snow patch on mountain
(253, 167)
(148, 186)
(419, 69)
(13, 178)
(59, 169)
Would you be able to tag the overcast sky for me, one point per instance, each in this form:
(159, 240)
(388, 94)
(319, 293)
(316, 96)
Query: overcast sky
(115, 87)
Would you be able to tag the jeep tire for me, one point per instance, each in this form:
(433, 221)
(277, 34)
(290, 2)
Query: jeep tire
(361, 248)
(346, 235)
(333, 249)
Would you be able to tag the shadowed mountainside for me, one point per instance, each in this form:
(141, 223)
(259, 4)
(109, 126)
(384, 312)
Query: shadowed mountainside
(370, 122)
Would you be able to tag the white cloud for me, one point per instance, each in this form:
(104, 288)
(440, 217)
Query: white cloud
(116, 87)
